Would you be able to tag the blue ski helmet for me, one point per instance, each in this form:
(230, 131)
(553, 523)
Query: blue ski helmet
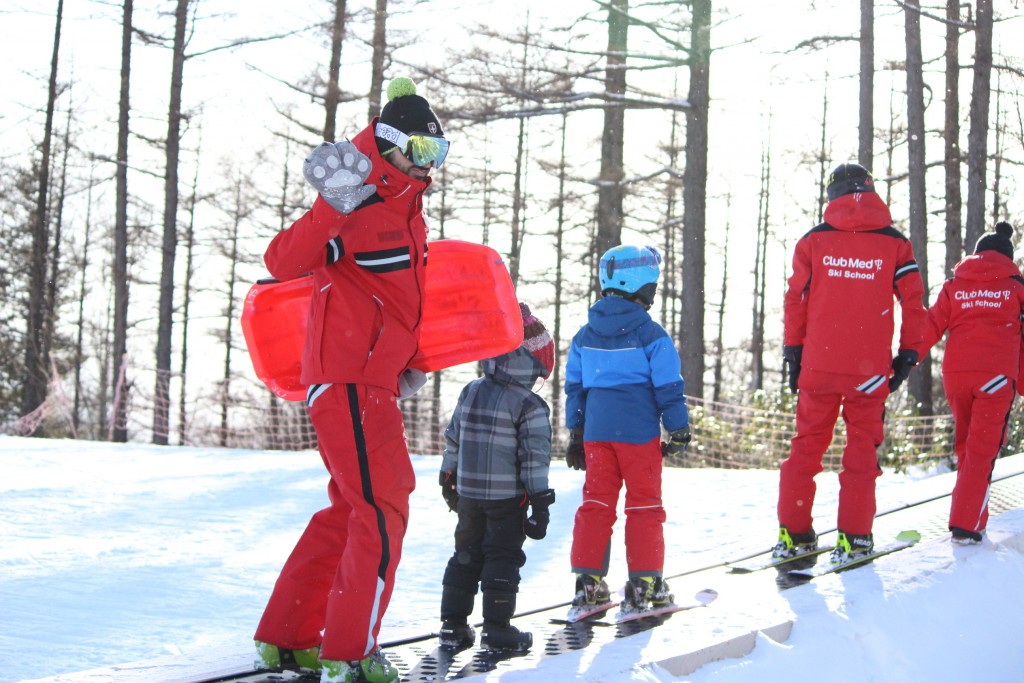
(631, 270)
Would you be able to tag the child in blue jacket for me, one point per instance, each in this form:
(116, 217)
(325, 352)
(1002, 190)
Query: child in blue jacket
(622, 383)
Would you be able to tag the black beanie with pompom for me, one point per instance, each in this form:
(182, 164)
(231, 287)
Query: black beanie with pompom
(1000, 240)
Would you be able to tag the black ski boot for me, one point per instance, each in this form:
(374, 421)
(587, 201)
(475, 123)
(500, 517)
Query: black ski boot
(456, 606)
(497, 632)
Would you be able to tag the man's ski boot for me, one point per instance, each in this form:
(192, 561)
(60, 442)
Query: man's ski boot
(850, 547)
(644, 593)
(273, 658)
(456, 635)
(374, 669)
(791, 545)
(964, 536)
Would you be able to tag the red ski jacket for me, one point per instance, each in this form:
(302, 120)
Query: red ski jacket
(981, 307)
(839, 304)
(364, 316)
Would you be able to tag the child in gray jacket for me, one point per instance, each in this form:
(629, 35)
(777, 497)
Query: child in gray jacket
(496, 458)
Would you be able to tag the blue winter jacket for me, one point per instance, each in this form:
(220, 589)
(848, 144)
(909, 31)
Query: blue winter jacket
(622, 378)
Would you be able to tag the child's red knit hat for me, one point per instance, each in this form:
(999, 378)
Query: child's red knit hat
(536, 339)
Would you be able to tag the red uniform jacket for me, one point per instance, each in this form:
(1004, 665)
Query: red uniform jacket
(367, 284)
(839, 303)
(981, 307)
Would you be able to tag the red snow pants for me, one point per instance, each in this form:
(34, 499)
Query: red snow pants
(609, 465)
(862, 402)
(341, 573)
(980, 402)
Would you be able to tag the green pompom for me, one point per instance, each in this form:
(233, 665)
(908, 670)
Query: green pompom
(400, 87)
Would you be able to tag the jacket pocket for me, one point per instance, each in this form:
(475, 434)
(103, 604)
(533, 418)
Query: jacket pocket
(317, 328)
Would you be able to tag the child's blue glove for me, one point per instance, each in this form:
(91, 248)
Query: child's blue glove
(338, 171)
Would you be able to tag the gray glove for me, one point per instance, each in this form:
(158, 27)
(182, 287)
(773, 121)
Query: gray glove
(338, 171)
(410, 381)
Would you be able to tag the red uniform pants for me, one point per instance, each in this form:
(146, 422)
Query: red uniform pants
(980, 402)
(822, 396)
(341, 573)
(609, 465)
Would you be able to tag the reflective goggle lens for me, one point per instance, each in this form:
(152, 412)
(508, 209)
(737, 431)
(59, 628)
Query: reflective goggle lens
(423, 149)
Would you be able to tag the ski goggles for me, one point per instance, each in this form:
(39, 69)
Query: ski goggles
(420, 149)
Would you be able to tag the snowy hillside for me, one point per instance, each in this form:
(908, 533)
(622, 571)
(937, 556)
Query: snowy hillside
(125, 553)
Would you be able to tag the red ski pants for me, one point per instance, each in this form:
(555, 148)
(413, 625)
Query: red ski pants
(980, 402)
(822, 396)
(609, 465)
(341, 573)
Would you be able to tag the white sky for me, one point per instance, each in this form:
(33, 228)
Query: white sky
(755, 72)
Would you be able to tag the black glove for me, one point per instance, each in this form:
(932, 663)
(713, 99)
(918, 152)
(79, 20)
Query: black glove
(575, 457)
(791, 357)
(448, 490)
(679, 439)
(901, 364)
(536, 526)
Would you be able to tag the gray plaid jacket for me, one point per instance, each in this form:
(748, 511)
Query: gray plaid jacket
(499, 437)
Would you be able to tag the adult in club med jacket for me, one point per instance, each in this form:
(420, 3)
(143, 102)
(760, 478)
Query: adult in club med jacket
(363, 327)
(981, 309)
(839, 309)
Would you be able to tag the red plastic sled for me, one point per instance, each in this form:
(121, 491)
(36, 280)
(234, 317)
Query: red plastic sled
(470, 312)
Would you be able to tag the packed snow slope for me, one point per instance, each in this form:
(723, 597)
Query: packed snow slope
(127, 553)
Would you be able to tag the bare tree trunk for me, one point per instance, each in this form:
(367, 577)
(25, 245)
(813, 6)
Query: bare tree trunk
(823, 153)
(518, 199)
(610, 190)
(238, 216)
(76, 417)
(560, 228)
(977, 136)
(37, 370)
(997, 157)
(51, 304)
(119, 432)
(162, 388)
(720, 336)
(760, 274)
(695, 179)
(186, 304)
(951, 134)
(380, 48)
(333, 94)
(866, 129)
(920, 382)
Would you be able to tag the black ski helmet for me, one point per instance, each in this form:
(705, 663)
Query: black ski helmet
(847, 179)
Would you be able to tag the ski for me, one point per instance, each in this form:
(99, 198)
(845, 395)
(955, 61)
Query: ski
(904, 539)
(779, 562)
(700, 599)
(582, 612)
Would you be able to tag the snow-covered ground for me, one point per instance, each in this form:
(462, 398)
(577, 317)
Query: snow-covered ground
(121, 553)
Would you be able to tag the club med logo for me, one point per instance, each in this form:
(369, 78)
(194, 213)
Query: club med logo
(844, 262)
(982, 294)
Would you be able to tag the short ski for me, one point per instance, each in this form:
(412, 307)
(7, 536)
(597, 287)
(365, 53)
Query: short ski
(701, 599)
(588, 611)
(904, 539)
(778, 562)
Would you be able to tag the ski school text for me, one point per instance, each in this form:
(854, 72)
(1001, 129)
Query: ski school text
(850, 274)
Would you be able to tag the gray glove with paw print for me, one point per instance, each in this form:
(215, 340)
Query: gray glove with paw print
(338, 171)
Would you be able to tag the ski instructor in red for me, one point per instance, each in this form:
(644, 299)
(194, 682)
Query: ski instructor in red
(364, 241)
(839, 310)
